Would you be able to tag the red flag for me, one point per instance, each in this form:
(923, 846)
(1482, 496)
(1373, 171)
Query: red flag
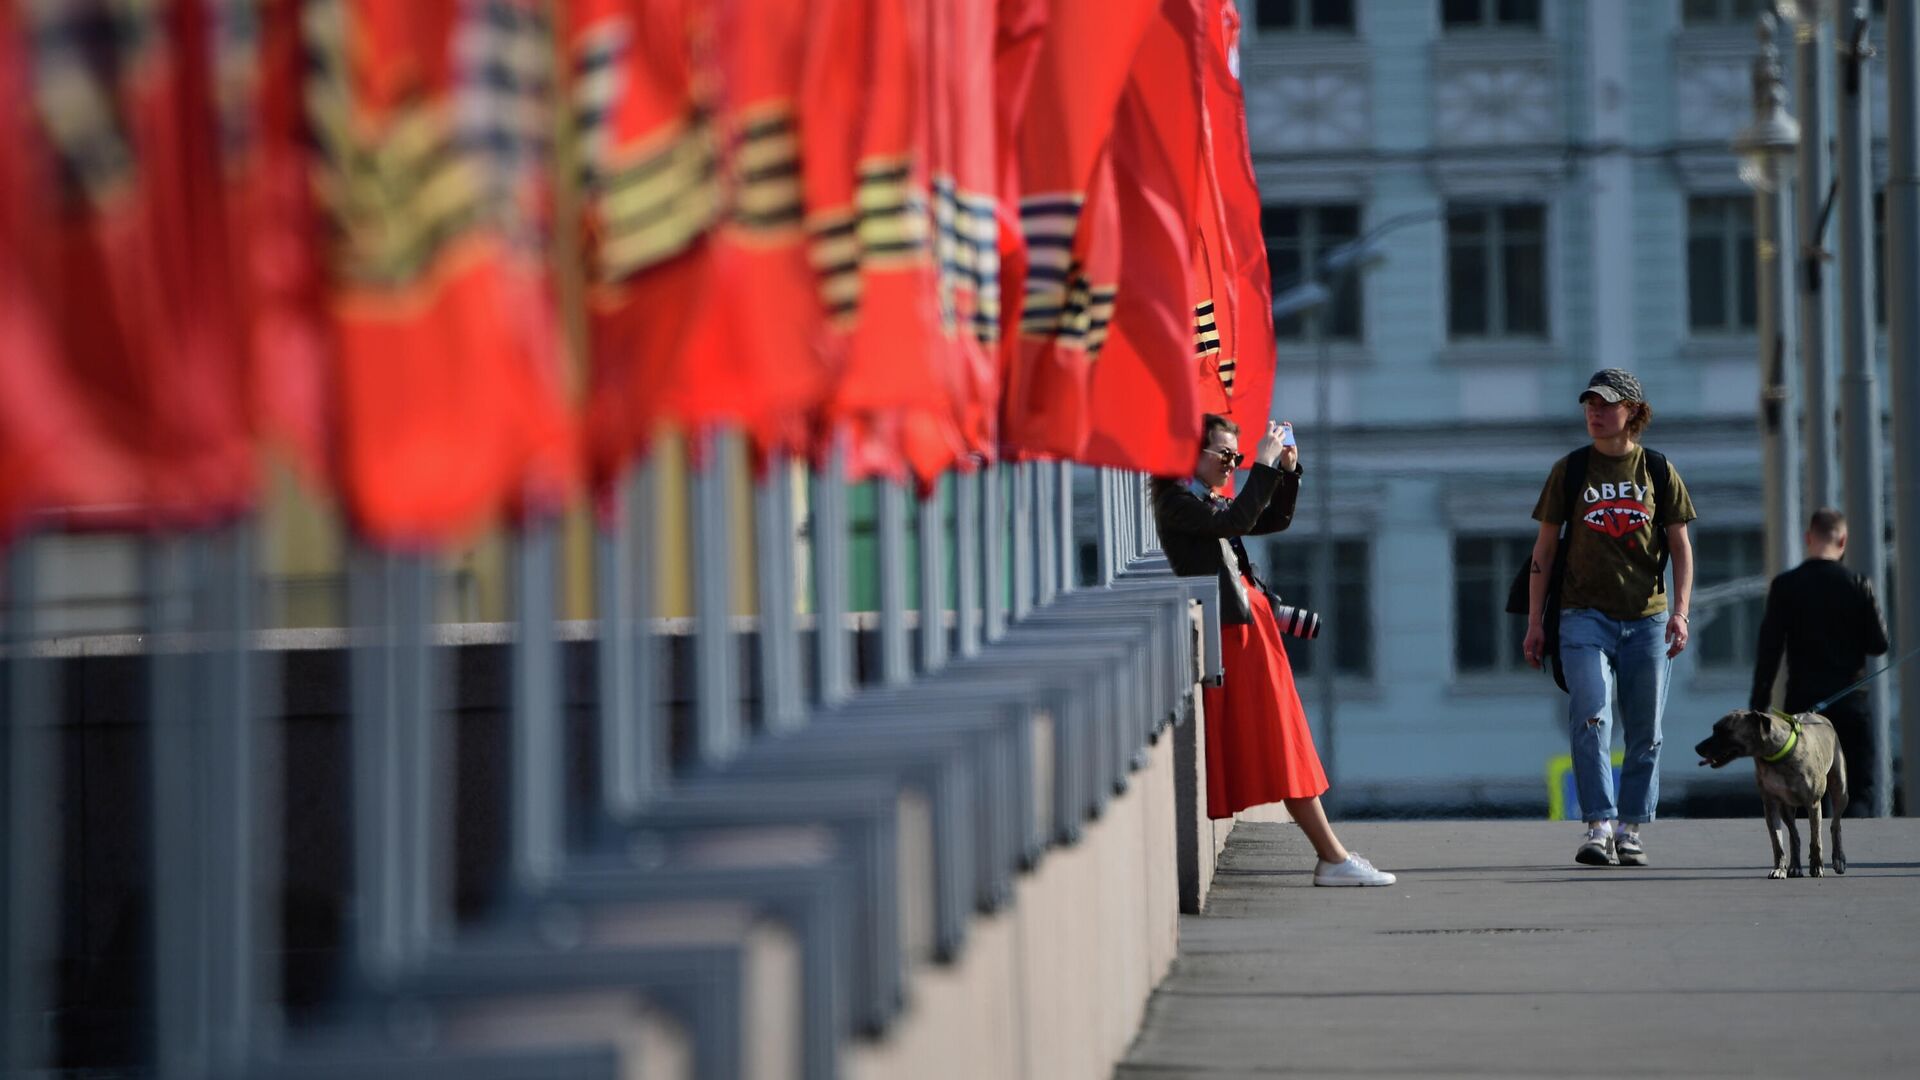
(1215, 300)
(1145, 411)
(1020, 37)
(126, 376)
(1216, 285)
(755, 354)
(1072, 255)
(431, 126)
(295, 393)
(866, 163)
(648, 155)
(1251, 391)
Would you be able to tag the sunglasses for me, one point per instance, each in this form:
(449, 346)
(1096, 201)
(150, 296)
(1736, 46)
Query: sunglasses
(1231, 457)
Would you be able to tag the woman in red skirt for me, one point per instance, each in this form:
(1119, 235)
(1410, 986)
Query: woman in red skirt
(1259, 748)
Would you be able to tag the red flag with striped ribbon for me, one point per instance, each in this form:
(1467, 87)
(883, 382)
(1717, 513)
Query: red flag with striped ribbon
(125, 390)
(1145, 410)
(433, 157)
(648, 156)
(756, 353)
(1068, 221)
(1250, 391)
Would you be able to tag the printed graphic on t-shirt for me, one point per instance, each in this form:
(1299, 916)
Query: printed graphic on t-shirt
(1618, 510)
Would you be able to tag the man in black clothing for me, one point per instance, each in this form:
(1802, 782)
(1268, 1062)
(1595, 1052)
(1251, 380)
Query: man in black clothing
(1827, 620)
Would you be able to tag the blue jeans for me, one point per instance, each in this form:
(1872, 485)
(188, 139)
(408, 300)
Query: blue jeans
(1615, 668)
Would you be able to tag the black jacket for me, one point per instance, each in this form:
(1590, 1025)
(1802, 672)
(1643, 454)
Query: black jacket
(1202, 537)
(1826, 619)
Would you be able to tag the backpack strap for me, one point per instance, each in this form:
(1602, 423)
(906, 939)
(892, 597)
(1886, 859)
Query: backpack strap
(1572, 479)
(1662, 474)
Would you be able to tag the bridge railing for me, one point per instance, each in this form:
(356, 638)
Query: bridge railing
(407, 847)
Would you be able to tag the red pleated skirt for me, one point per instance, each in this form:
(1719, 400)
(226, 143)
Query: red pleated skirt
(1259, 748)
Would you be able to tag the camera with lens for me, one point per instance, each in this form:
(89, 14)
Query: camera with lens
(1294, 621)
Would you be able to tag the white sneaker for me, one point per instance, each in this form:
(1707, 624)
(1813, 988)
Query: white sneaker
(1597, 849)
(1628, 850)
(1355, 871)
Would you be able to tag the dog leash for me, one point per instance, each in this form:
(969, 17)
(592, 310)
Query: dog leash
(1831, 698)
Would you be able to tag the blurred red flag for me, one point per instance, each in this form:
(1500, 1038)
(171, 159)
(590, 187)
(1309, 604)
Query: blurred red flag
(648, 155)
(963, 150)
(430, 122)
(1019, 39)
(1145, 411)
(125, 383)
(756, 351)
(1072, 253)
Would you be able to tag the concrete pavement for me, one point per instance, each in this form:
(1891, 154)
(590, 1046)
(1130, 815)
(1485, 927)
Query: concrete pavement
(1497, 955)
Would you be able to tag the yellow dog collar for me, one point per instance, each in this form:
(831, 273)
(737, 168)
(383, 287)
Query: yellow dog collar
(1793, 738)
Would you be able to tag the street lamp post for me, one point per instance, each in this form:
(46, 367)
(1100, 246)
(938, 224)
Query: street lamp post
(1813, 75)
(1313, 299)
(1310, 300)
(1903, 356)
(1866, 511)
(1323, 561)
(1766, 150)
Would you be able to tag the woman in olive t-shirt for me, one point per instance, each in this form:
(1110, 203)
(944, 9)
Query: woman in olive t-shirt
(1620, 628)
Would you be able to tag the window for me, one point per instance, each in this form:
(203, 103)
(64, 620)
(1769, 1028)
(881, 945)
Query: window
(1721, 12)
(1485, 638)
(1727, 639)
(1298, 236)
(1346, 624)
(1497, 271)
(1471, 14)
(1292, 15)
(1720, 265)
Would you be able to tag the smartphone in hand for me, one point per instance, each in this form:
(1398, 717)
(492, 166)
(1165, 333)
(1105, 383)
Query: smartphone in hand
(1286, 433)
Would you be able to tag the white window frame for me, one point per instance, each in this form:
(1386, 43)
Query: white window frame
(1509, 550)
(1493, 242)
(1732, 220)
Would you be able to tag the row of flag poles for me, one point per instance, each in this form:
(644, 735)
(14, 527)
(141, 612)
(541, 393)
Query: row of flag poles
(467, 258)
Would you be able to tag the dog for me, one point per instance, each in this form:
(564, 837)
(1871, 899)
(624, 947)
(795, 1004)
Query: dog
(1796, 760)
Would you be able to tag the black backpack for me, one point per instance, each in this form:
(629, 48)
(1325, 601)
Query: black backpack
(1572, 480)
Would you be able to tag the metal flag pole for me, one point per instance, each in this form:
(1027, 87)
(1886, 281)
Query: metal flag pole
(537, 830)
(834, 646)
(633, 755)
(966, 560)
(896, 658)
(715, 652)
(780, 692)
(933, 574)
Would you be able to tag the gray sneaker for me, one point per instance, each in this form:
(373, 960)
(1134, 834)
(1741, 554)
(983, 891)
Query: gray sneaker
(1626, 848)
(1597, 850)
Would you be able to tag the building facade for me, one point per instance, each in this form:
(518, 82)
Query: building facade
(1558, 196)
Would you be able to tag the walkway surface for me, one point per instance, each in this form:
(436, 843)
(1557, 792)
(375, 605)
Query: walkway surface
(1497, 955)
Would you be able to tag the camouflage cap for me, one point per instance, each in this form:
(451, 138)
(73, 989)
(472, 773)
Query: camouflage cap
(1614, 385)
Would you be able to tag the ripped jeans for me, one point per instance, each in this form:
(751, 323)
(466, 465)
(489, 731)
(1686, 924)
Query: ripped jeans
(1615, 668)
